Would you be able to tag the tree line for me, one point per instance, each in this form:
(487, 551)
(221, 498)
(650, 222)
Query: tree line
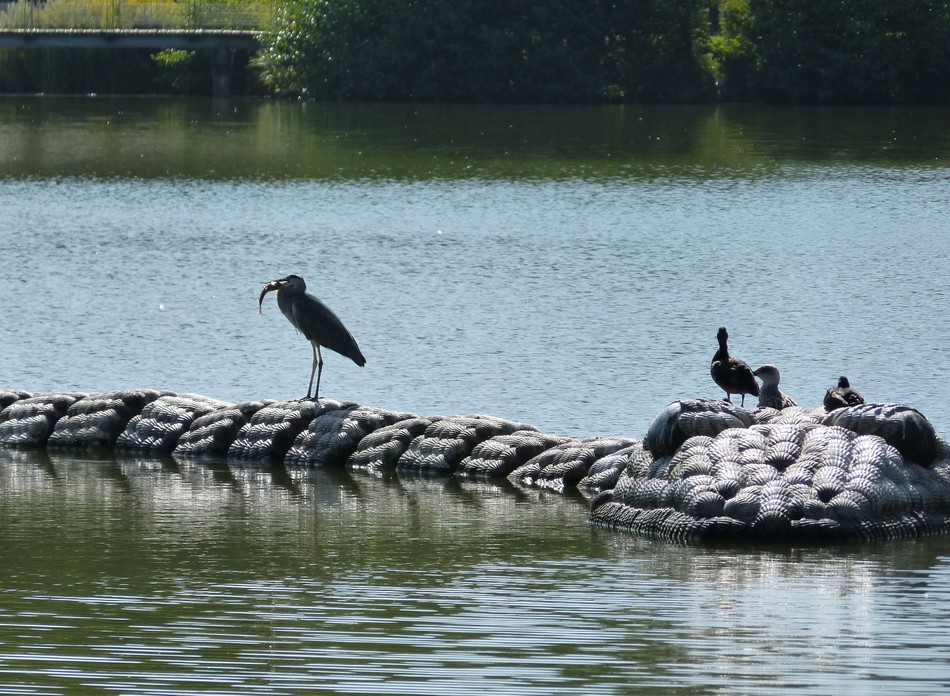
(569, 51)
(783, 51)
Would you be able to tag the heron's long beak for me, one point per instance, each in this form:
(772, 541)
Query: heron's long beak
(272, 285)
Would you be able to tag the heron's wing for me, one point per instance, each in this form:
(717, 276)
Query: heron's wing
(319, 323)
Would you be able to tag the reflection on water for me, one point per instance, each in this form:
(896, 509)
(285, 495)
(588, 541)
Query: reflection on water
(122, 137)
(564, 267)
(179, 577)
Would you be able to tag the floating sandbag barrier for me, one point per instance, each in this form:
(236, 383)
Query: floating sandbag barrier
(701, 473)
(706, 470)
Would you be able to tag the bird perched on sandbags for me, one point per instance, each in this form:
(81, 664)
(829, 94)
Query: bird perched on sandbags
(732, 375)
(315, 321)
(770, 396)
(842, 395)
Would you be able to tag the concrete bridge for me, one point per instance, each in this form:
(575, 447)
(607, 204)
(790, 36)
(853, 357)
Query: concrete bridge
(218, 27)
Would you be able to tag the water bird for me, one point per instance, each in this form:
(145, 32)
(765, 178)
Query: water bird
(732, 375)
(317, 322)
(770, 396)
(842, 395)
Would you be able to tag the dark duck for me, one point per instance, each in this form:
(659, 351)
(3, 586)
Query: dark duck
(842, 395)
(731, 374)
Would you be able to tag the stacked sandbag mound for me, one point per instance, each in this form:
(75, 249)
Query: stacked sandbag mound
(798, 475)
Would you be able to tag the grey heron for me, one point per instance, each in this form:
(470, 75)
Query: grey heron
(317, 322)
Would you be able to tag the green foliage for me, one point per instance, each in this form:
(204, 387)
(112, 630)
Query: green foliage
(734, 57)
(835, 51)
(182, 72)
(487, 51)
(811, 51)
(173, 58)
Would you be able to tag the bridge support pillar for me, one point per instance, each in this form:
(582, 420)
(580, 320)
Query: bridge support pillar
(221, 72)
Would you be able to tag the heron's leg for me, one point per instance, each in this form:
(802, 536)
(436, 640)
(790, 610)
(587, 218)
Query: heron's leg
(742, 403)
(313, 369)
(316, 394)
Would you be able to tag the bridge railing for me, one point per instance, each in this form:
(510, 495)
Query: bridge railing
(131, 14)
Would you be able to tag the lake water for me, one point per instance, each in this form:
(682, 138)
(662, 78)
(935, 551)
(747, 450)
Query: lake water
(564, 267)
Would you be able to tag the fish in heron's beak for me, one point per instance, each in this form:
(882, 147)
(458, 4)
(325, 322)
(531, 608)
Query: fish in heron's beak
(273, 285)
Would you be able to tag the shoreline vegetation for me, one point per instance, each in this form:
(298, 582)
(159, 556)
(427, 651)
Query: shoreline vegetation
(890, 52)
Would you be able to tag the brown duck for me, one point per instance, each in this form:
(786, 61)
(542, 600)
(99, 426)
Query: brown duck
(770, 396)
(842, 395)
(731, 374)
